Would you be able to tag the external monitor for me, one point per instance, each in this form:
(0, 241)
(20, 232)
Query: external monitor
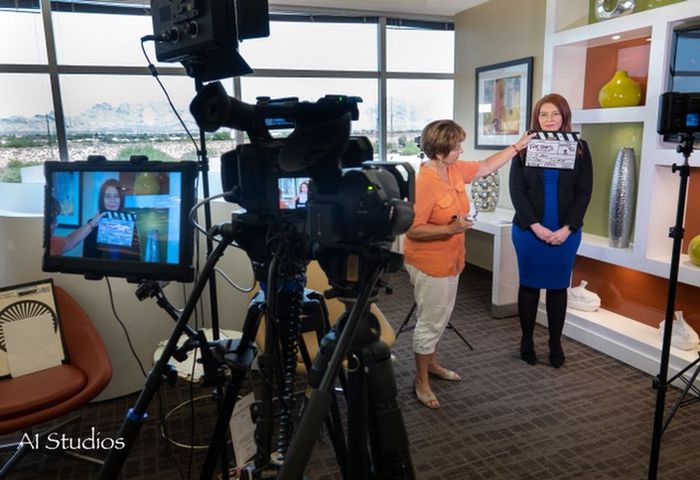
(122, 219)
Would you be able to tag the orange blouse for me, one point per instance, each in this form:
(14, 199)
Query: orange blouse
(437, 202)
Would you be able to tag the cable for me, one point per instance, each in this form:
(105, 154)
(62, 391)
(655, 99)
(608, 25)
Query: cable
(154, 72)
(126, 332)
(232, 283)
(194, 209)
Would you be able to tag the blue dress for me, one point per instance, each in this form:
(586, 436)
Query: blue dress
(542, 265)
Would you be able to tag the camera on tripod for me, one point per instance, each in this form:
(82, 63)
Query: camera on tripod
(679, 113)
(352, 200)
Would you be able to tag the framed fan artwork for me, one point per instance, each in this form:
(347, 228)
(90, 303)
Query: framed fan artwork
(30, 330)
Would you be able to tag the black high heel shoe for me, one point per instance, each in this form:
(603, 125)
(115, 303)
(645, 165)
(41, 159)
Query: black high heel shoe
(527, 353)
(556, 354)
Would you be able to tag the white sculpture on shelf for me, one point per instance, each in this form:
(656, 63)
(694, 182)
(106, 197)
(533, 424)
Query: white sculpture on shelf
(683, 336)
(582, 299)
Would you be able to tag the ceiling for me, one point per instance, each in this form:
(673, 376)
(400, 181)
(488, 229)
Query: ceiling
(413, 8)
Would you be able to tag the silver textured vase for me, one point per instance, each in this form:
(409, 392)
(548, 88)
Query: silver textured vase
(622, 198)
(485, 192)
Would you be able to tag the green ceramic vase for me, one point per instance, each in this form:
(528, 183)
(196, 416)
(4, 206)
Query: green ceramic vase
(694, 250)
(620, 91)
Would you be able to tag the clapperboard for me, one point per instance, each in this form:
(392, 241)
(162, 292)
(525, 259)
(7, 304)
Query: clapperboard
(116, 229)
(552, 150)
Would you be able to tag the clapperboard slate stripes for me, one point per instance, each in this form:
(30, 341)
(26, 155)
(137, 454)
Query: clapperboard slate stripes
(552, 150)
(116, 228)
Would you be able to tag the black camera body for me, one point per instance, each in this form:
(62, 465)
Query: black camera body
(679, 113)
(352, 201)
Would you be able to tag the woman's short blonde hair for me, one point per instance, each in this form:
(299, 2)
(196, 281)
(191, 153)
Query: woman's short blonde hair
(440, 137)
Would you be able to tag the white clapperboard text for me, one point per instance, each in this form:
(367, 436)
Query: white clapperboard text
(552, 150)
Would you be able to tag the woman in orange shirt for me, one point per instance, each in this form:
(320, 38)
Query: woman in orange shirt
(434, 252)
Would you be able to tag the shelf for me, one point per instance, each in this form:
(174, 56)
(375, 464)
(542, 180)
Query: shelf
(623, 338)
(608, 115)
(598, 247)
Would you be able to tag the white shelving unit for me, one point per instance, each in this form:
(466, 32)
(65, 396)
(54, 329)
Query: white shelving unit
(564, 66)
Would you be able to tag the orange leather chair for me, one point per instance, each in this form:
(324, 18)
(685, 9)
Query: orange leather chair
(32, 399)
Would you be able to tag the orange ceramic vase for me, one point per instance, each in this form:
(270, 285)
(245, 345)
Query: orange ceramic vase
(620, 91)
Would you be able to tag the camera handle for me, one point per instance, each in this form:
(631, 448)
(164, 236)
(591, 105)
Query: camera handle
(660, 383)
(137, 415)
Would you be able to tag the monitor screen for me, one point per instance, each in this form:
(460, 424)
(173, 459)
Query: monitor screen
(120, 219)
(293, 192)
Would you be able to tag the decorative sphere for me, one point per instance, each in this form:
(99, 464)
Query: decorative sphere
(694, 250)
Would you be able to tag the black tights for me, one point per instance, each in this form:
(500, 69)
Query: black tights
(528, 298)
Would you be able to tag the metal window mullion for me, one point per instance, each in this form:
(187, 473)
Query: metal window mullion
(381, 88)
(53, 77)
(239, 137)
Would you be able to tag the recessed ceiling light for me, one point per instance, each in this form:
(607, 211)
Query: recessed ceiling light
(616, 37)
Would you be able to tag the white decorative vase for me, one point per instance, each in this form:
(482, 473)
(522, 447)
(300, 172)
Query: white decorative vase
(622, 198)
(485, 192)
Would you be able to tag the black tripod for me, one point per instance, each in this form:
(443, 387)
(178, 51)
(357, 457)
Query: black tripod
(405, 327)
(228, 361)
(377, 443)
(660, 382)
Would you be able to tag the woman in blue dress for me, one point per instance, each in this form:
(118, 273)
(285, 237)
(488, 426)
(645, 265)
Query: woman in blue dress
(549, 207)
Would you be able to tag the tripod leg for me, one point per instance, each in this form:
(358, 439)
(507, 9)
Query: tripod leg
(218, 437)
(452, 327)
(388, 438)
(134, 420)
(359, 466)
(688, 386)
(405, 320)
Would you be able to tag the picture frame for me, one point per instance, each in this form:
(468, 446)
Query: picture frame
(503, 103)
(66, 191)
(24, 302)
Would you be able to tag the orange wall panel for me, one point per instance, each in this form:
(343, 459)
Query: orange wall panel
(636, 295)
(603, 61)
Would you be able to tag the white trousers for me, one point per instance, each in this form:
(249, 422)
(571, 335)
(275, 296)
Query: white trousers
(435, 300)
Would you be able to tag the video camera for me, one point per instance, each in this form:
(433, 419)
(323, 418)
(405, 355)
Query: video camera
(679, 113)
(353, 202)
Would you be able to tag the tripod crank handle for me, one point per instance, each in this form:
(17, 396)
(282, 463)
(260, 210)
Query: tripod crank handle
(306, 435)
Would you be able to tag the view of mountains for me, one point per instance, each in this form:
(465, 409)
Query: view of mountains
(150, 118)
(157, 118)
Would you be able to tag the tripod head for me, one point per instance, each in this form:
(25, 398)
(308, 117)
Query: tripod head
(686, 146)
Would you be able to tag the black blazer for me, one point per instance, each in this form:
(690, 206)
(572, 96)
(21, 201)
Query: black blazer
(575, 186)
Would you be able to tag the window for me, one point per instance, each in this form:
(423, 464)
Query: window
(685, 63)
(412, 104)
(27, 126)
(314, 46)
(22, 38)
(416, 50)
(101, 39)
(113, 107)
(122, 115)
